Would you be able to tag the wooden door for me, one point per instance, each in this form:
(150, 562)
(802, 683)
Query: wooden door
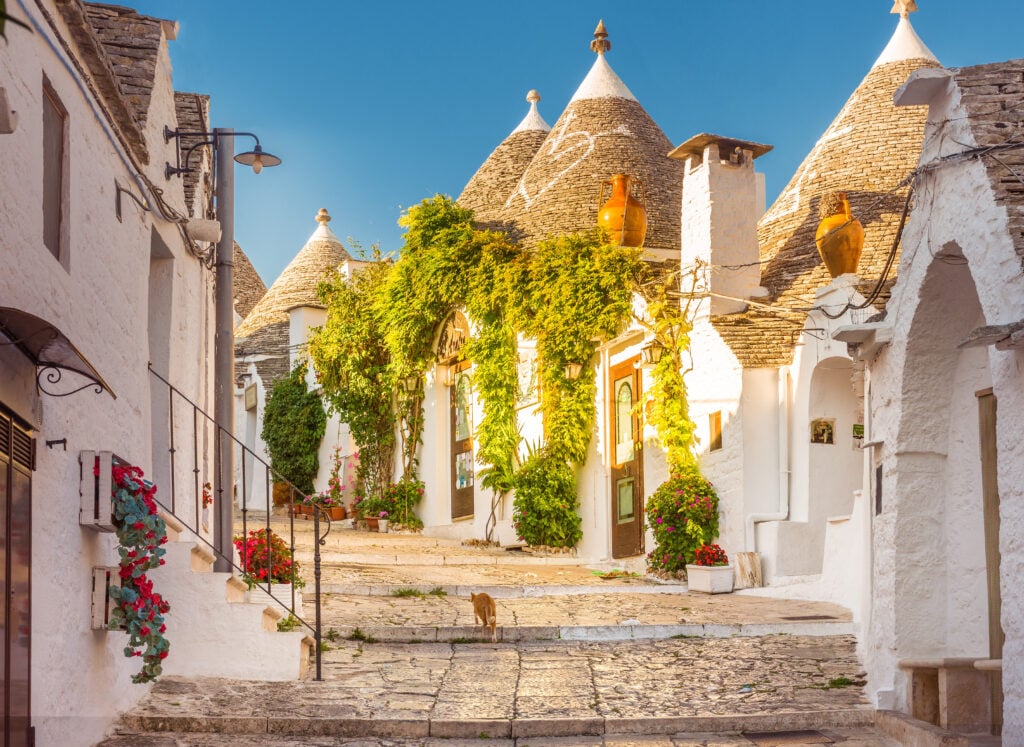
(17, 459)
(627, 510)
(990, 506)
(462, 442)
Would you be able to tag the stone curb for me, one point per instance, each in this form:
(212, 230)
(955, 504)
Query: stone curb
(470, 633)
(499, 592)
(859, 716)
(423, 559)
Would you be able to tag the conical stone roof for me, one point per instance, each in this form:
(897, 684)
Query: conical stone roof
(263, 335)
(603, 131)
(867, 151)
(248, 286)
(493, 182)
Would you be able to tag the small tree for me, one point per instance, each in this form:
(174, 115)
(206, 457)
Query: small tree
(294, 422)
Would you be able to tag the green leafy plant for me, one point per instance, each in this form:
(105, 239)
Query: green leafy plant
(544, 511)
(266, 559)
(294, 422)
(683, 514)
(353, 366)
(437, 591)
(287, 624)
(400, 499)
(407, 592)
(141, 535)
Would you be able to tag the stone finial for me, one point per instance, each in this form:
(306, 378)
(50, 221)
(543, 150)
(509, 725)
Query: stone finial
(533, 97)
(601, 43)
(322, 217)
(904, 7)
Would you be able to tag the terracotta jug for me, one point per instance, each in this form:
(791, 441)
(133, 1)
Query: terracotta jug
(623, 215)
(840, 236)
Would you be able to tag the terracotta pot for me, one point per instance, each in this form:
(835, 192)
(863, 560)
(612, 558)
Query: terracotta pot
(840, 239)
(371, 522)
(623, 215)
(336, 513)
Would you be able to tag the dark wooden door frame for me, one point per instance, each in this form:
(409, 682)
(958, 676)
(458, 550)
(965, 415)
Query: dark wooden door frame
(462, 499)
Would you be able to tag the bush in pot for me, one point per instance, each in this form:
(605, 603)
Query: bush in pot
(682, 513)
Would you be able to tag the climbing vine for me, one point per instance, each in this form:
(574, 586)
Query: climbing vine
(353, 366)
(570, 294)
(670, 323)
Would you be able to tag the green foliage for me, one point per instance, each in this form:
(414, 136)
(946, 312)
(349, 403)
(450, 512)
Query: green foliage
(578, 291)
(407, 592)
(287, 624)
(545, 506)
(293, 426)
(398, 503)
(352, 364)
(683, 514)
(668, 409)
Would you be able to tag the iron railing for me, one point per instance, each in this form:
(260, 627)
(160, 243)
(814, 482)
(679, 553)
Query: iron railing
(198, 424)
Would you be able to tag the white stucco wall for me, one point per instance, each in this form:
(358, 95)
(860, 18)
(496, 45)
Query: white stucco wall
(99, 298)
(921, 388)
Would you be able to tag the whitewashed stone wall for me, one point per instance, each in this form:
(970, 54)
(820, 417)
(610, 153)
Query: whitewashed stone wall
(921, 399)
(99, 298)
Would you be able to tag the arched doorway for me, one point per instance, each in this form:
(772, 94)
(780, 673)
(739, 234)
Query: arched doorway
(450, 344)
(941, 499)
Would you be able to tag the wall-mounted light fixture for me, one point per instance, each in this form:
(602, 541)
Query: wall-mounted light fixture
(573, 371)
(411, 383)
(651, 353)
(256, 158)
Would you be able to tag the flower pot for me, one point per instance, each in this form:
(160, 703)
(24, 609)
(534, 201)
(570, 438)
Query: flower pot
(371, 523)
(336, 513)
(382, 526)
(709, 579)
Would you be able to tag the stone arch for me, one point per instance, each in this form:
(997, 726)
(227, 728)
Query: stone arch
(939, 568)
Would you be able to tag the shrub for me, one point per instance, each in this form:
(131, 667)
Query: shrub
(683, 514)
(266, 561)
(544, 511)
(294, 422)
(400, 499)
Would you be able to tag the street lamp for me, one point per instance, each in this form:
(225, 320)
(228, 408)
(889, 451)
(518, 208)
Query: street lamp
(222, 140)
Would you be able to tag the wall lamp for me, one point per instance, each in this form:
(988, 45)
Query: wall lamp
(573, 371)
(411, 383)
(651, 353)
(257, 158)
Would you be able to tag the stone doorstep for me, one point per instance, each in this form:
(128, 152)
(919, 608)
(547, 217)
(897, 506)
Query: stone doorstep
(382, 726)
(914, 733)
(517, 633)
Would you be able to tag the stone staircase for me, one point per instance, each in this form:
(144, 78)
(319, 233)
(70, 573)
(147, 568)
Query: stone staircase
(217, 626)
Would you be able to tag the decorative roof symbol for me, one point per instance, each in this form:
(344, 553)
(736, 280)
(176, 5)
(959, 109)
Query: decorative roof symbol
(904, 7)
(322, 217)
(601, 43)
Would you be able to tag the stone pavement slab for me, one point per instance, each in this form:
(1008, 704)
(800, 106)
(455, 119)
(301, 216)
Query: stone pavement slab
(848, 737)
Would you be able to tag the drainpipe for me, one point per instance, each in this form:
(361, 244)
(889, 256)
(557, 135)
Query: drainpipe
(783, 513)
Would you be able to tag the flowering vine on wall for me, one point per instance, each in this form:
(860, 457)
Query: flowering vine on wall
(141, 534)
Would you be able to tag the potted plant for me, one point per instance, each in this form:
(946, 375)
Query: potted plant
(330, 500)
(710, 572)
(382, 522)
(266, 559)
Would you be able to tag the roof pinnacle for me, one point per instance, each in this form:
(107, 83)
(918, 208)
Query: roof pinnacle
(322, 217)
(533, 97)
(601, 43)
(904, 7)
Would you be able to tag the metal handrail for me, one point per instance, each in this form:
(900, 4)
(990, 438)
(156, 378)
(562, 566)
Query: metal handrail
(269, 472)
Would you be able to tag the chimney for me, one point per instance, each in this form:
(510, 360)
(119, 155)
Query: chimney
(723, 198)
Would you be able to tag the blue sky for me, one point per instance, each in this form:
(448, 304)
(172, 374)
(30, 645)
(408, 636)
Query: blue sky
(374, 106)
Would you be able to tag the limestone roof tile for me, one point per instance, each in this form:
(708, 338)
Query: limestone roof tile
(867, 151)
(248, 285)
(493, 182)
(193, 115)
(603, 131)
(993, 96)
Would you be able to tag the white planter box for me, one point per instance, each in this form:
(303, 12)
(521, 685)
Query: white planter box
(709, 579)
(102, 605)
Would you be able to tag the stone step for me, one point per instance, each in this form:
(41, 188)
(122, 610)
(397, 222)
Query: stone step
(521, 591)
(275, 729)
(305, 555)
(512, 634)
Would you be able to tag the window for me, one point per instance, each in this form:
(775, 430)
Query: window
(715, 428)
(55, 119)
